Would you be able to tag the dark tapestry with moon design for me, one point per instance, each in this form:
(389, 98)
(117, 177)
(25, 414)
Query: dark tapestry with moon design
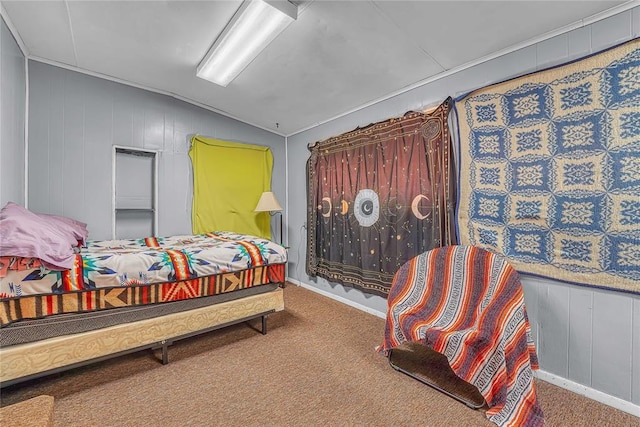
(378, 196)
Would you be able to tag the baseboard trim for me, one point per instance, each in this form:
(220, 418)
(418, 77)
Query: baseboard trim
(338, 298)
(589, 392)
(580, 389)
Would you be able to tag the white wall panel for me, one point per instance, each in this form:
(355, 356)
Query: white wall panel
(154, 125)
(579, 43)
(532, 303)
(12, 118)
(75, 120)
(553, 333)
(56, 143)
(581, 338)
(123, 112)
(552, 51)
(73, 188)
(612, 340)
(98, 139)
(589, 336)
(635, 353)
(182, 127)
(137, 118)
(38, 191)
(612, 31)
(175, 205)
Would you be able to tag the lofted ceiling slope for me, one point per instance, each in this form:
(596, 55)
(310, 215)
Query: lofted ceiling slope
(337, 56)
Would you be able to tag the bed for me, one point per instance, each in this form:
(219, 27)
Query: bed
(66, 301)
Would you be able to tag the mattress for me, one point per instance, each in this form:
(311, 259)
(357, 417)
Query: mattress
(132, 262)
(120, 273)
(74, 323)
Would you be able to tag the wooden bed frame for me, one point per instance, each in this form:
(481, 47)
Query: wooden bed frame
(35, 359)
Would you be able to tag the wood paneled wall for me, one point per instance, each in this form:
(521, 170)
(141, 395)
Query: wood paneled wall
(586, 336)
(74, 121)
(12, 118)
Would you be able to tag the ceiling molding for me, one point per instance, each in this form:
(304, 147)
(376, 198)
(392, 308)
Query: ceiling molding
(562, 30)
(150, 89)
(610, 12)
(303, 6)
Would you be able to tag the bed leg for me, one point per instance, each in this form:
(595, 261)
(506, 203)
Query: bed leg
(264, 325)
(165, 353)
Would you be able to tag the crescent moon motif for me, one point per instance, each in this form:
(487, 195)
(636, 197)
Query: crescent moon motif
(345, 207)
(414, 206)
(328, 212)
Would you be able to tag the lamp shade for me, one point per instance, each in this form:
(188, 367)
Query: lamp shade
(268, 203)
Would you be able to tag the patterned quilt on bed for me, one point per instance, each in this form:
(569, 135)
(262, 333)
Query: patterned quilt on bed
(468, 304)
(118, 273)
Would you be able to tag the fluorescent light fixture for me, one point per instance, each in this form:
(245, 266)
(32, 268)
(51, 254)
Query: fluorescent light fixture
(252, 28)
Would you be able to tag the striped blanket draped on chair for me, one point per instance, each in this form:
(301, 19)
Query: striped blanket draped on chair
(468, 304)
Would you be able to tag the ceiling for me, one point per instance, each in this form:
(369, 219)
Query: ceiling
(336, 57)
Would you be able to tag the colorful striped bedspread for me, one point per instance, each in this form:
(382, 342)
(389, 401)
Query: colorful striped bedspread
(115, 273)
(468, 304)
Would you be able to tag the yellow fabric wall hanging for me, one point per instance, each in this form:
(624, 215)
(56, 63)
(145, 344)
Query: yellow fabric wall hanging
(228, 179)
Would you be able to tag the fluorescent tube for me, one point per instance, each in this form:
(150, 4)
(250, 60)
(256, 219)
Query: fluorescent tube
(252, 28)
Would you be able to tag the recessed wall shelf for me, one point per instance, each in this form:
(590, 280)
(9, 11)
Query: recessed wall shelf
(135, 193)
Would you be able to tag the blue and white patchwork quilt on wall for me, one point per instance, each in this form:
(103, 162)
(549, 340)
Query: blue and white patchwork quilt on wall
(550, 170)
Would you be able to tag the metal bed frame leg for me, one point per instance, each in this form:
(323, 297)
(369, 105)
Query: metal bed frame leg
(165, 352)
(164, 344)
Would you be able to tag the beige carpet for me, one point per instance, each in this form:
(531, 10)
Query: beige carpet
(316, 366)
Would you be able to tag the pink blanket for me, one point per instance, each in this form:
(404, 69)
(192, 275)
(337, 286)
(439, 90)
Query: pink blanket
(50, 238)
